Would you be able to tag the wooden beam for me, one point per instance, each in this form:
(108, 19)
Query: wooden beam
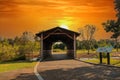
(58, 34)
(57, 30)
(64, 34)
(74, 46)
(41, 46)
(52, 33)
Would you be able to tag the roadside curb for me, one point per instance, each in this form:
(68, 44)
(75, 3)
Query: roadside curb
(36, 72)
(98, 64)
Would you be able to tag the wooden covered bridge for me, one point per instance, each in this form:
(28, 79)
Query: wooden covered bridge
(49, 37)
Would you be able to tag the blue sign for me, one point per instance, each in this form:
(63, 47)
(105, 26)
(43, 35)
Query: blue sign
(105, 49)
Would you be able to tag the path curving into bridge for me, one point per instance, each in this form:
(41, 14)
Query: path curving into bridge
(76, 70)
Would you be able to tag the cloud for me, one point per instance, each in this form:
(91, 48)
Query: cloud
(14, 6)
(89, 6)
(87, 9)
(7, 5)
(66, 6)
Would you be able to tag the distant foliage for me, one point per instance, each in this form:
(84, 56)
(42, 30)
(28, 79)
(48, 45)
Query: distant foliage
(59, 45)
(96, 44)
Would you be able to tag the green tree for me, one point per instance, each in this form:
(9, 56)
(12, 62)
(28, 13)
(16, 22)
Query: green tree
(117, 7)
(59, 45)
(29, 45)
(7, 51)
(112, 26)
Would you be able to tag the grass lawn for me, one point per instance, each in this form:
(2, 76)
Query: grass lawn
(118, 64)
(8, 66)
(112, 61)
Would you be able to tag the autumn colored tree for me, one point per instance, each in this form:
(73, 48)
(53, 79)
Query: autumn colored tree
(87, 35)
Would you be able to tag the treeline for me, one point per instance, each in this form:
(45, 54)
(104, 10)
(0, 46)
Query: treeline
(94, 44)
(19, 48)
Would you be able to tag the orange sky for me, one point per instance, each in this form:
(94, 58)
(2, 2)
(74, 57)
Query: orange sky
(17, 16)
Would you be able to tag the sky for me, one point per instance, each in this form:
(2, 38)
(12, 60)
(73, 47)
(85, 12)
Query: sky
(17, 16)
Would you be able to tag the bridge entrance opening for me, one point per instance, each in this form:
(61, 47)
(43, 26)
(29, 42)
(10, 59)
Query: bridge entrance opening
(59, 50)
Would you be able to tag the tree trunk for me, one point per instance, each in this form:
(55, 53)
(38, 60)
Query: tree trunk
(88, 51)
(116, 44)
(89, 47)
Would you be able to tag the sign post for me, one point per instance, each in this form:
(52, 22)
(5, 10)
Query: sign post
(106, 50)
(108, 58)
(100, 54)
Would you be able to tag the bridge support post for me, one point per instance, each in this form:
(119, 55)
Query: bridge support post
(74, 46)
(41, 52)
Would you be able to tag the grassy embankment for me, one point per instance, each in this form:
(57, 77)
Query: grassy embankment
(112, 61)
(115, 62)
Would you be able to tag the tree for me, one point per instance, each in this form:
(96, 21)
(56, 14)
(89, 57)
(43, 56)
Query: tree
(11, 42)
(7, 50)
(17, 40)
(117, 7)
(26, 37)
(112, 26)
(59, 45)
(26, 44)
(87, 34)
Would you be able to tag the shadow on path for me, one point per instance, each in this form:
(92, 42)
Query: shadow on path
(26, 76)
(76, 70)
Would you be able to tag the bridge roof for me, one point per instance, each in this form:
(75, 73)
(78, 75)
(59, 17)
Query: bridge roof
(58, 29)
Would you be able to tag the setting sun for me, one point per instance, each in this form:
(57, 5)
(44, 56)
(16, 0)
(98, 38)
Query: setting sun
(64, 26)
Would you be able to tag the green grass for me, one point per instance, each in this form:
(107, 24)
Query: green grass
(84, 51)
(112, 61)
(118, 64)
(9, 66)
(114, 50)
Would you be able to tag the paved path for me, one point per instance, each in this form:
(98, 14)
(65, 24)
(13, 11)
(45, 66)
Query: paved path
(76, 70)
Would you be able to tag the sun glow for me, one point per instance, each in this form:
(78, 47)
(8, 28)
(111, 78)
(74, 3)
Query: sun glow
(64, 26)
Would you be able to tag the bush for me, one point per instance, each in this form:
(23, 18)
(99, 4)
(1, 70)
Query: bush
(7, 53)
(19, 57)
